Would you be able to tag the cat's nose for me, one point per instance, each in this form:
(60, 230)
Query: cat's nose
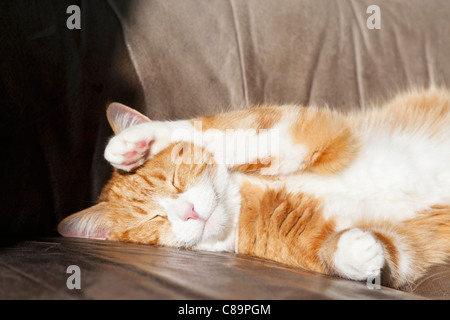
(191, 214)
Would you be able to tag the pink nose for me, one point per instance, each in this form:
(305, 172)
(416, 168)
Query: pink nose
(191, 214)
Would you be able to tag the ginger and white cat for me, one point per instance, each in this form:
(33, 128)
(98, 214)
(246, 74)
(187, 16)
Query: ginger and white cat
(353, 195)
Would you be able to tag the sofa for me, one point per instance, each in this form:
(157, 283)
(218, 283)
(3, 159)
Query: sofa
(174, 59)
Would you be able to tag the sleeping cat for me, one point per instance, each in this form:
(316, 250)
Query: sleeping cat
(357, 195)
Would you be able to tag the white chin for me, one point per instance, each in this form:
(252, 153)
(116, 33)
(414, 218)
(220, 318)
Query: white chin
(215, 226)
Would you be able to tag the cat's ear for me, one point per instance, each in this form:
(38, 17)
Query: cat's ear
(93, 222)
(121, 117)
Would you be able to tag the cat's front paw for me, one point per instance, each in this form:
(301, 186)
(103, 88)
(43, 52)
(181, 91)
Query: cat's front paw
(129, 149)
(359, 255)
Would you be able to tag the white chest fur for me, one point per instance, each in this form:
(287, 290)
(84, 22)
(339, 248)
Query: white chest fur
(394, 176)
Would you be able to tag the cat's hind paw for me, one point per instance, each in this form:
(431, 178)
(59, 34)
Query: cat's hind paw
(359, 255)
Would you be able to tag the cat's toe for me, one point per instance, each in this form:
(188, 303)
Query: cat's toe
(130, 166)
(359, 255)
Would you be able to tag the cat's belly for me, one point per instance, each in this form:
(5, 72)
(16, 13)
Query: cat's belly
(393, 179)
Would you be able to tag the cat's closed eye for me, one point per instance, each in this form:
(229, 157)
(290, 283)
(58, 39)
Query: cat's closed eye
(176, 183)
(157, 217)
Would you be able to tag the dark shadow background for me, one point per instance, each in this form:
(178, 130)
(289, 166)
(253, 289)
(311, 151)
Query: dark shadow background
(54, 86)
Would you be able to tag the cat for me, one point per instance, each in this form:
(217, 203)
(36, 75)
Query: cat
(359, 195)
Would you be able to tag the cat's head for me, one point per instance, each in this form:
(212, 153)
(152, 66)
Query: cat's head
(177, 198)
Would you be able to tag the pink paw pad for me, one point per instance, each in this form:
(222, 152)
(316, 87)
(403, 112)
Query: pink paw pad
(141, 144)
(130, 154)
(129, 163)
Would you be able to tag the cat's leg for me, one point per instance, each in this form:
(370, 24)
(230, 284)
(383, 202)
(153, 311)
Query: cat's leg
(280, 140)
(266, 140)
(353, 254)
(401, 251)
(131, 147)
(395, 255)
(236, 138)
